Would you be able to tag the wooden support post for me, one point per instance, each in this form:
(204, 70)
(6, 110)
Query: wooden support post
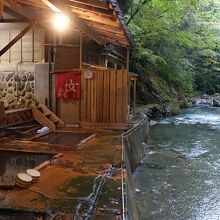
(135, 93)
(2, 114)
(128, 59)
(1, 9)
(33, 45)
(81, 50)
(129, 94)
(17, 38)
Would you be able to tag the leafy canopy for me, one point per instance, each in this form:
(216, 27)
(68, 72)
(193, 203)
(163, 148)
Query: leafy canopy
(172, 39)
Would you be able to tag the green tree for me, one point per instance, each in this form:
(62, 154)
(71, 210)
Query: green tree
(171, 38)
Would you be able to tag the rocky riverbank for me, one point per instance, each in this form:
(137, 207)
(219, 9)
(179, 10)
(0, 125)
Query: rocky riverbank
(172, 108)
(211, 100)
(157, 99)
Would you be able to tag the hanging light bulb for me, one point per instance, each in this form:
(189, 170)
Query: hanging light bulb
(61, 21)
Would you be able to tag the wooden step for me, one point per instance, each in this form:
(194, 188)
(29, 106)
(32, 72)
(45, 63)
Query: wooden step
(47, 114)
(46, 118)
(40, 109)
(54, 121)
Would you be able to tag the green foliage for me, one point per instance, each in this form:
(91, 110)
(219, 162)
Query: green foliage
(177, 40)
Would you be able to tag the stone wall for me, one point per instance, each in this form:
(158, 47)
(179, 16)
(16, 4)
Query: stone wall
(17, 89)
(134, 152)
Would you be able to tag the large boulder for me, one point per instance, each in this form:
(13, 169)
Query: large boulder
(160, 98)
(216, 102)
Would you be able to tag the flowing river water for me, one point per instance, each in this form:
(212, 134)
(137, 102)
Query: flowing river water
(180, 177)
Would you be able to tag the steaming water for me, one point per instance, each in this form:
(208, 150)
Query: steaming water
(180, 178)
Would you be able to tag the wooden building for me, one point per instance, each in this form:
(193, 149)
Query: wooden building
(95, 45)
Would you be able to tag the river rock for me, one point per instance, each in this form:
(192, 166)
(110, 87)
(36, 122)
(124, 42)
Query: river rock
(22, 100)
(23, 78)
(3, 86)
(16, 94)
(15, 86)
(2, 76)
(194, 100)
(216, 102)
(17, 78)
(32, 85)
(6, 105)
(28, 103)
(10, 99)
(23, 93)
(31, 77)
(21, 86)
(28, 87)
(207, 101)
(3, 93)
(9, 76)
(189, 104)
(10, 91)
(29, 96)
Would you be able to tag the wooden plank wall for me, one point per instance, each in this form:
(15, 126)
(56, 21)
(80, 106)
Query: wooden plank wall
(67, 58)
(104, 99)
(29, 48)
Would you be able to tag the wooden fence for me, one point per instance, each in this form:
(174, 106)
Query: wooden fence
(104, 99)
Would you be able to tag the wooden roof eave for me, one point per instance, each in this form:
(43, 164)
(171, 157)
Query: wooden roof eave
(100, 20)
(29, 14)
(106, 11)
(33, 13)
(76, 21)
(103, 28)
(121, 40)
(92, 3)
(114, 4)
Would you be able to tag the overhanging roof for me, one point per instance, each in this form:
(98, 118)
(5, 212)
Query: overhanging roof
(102, 20)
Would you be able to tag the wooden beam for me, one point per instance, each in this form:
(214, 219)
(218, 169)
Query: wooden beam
(27, 12)
(17, 38)
(91, 8)
(92, 3)
(101, 20)
(1, 9)
(76, 21)
(33, 4)
(116, 42)
(13, 21)
(114, 38)
(107, 28)
(50, 5)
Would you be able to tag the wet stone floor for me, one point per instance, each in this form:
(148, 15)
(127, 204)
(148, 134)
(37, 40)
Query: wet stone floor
(83, 183)
(63, 138)
(12, 163)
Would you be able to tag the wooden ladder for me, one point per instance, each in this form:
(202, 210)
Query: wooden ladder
(46, 117)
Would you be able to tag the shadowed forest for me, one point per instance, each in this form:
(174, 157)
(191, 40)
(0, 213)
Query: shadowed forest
(176, 47)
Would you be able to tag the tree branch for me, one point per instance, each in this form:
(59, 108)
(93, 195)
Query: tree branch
(139, 7)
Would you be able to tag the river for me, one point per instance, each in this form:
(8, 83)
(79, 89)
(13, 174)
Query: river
(180, 177)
